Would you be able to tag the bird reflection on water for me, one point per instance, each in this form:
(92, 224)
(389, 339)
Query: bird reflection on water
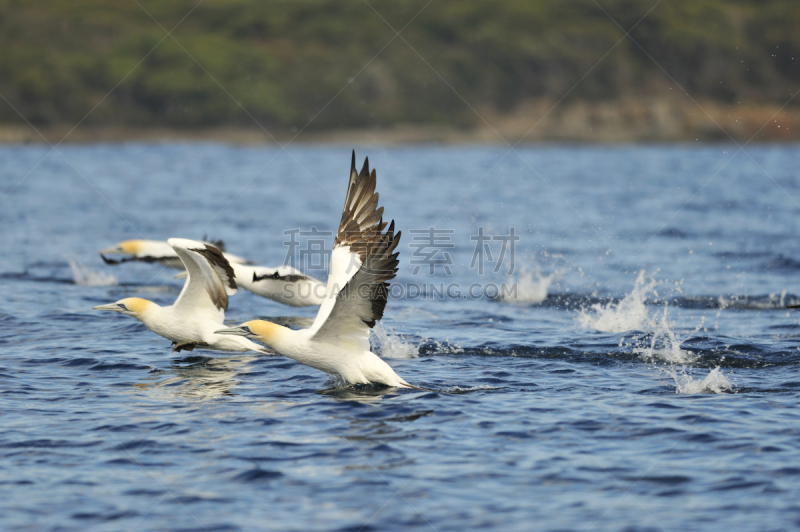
(204, 376)
(365, 393)
(198, 377)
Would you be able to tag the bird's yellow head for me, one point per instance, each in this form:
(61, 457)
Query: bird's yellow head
(263, 331)
(126, 247)
(131, 247)
(132, 306)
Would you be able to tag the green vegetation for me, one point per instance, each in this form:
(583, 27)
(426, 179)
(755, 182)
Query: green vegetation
(284, 60)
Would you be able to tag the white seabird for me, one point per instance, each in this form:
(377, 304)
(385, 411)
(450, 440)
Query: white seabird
(158, 251)
(284, 284)
(362, 263)
(200, 308)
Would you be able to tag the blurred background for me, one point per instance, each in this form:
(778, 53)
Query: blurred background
(400, 71)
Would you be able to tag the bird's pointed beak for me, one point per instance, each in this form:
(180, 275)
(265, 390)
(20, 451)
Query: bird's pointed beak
(235, 331)
(113, 250)
(116, 307)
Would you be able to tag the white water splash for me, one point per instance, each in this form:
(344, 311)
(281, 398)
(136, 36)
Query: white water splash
(714, 382)
(531, 287)
(460, 390)
(661, 343)
(83, 276)
(664, 343)
(627, 315)
(391, 345)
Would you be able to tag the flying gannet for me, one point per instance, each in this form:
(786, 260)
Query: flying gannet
(157, 251)
(284, 284)
(200, 308)
(362, 263)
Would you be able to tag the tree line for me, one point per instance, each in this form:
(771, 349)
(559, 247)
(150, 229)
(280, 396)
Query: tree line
(331, 64)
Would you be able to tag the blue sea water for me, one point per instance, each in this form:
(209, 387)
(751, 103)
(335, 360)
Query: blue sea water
(642, 373)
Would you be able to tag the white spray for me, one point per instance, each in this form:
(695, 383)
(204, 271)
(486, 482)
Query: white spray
(85, 277)
(627, 315)
(714, 382)
(661, 344)
(532, 286)
(391, 345)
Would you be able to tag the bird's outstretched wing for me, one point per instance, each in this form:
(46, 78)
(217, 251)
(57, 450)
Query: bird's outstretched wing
(360, 304)
(210, 278)
(362, 262)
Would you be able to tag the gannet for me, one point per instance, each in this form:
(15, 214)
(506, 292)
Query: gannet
(200, 308)
(156, 251)
(362, 263)
(283, 284)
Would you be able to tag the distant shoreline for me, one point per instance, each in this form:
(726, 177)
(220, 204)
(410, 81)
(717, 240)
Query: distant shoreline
(634, 121)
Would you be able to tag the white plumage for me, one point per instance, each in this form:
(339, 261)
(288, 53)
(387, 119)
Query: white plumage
(362, 262)
(200, 308)
(283, 284)
(158, 251)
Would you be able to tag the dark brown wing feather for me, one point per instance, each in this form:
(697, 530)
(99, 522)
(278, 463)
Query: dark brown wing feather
(363, 299)
(291, 278)
(216, 243)
(223, 269)
(361, 221)
(379, 268)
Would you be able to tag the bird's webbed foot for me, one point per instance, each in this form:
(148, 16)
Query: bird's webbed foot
(187, 346)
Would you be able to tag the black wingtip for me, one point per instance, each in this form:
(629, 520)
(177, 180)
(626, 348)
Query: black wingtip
(793, 306)
(216, 243)
(365, 168)
(353, 163)
(216, 258)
